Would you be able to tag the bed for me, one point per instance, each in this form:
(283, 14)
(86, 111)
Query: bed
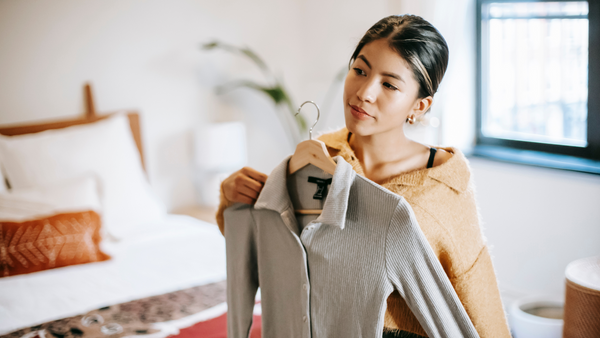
(163, 272)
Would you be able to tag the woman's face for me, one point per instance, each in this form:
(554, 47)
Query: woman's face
(380, 91)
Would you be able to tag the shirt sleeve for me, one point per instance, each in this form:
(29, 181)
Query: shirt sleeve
(414, 270)
(242, 269)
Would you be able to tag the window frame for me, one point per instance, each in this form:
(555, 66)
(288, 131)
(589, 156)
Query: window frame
(584, 159)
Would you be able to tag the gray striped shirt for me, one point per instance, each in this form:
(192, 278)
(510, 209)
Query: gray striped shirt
(330, 276)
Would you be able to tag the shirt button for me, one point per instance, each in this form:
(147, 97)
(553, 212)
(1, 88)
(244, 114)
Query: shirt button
(305, 319)
(305, 287)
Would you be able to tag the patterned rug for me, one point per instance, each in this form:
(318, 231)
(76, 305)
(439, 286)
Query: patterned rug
(174, 314)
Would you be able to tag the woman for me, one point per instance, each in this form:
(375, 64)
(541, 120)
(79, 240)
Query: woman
(394, 73)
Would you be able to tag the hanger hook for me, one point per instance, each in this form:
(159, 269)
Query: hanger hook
(318, 116)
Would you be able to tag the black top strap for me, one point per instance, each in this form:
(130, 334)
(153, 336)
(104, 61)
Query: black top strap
(432, 151)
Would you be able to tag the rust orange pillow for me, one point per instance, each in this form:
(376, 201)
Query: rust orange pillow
(50, 242)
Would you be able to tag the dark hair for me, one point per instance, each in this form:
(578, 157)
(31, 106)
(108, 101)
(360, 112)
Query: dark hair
(417, 42)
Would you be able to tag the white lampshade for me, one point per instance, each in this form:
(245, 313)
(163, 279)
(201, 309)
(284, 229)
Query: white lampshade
(220, 147)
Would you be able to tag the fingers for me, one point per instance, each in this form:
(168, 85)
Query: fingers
(253, 194)
(245, 185)
(244, 199)
(248, 182)
(256, 175)
(244, 194)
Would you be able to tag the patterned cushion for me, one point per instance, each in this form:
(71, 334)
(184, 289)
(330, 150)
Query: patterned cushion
(50, 242)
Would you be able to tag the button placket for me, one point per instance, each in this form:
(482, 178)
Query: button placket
(306, 300)
(308, 231)
(290, 220)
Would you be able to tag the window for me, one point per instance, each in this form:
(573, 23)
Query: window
(538, 83)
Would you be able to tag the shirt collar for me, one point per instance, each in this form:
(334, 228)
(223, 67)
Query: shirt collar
(274, 195)
(454, 173)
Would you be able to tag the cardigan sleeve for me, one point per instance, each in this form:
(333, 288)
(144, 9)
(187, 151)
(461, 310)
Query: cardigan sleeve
(415, 271)
(477, 289)
(474, 282)
(224, 203)
(463, 252)
(450, 221)
(472, 273)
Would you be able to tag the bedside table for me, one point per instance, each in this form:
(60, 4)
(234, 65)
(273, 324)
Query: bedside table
(201, 212)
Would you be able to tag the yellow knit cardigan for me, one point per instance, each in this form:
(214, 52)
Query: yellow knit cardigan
(443, 200)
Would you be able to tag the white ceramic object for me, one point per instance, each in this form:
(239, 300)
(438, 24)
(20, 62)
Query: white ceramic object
(526, 324)
(585, 272)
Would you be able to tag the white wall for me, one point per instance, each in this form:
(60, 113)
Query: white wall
(537, 221)
(144, 54)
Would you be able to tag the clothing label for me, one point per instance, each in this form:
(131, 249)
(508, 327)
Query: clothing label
(321, 186)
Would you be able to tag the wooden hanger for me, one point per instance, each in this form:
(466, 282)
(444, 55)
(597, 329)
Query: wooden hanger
(311, 152)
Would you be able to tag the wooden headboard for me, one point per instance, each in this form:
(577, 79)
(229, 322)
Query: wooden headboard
(90, 116)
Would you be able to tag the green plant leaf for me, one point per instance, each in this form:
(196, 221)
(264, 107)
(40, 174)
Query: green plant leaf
(276, 91)
(254, 57)
(210, 45)
(247, 52)
(277, 94)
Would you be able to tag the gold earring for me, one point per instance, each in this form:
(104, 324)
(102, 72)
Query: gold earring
(411, 119)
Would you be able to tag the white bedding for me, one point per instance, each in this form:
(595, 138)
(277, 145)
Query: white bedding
(170, 255)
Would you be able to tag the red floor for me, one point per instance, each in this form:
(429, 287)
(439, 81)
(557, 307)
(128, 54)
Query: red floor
(216, 328)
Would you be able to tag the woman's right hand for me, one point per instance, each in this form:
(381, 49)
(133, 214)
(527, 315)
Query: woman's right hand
(244, 185)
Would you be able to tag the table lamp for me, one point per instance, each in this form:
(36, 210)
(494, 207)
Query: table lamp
(219, 150)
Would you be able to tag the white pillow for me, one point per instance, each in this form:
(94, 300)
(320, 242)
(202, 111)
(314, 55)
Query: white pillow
(106, 149)
(75, 195)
